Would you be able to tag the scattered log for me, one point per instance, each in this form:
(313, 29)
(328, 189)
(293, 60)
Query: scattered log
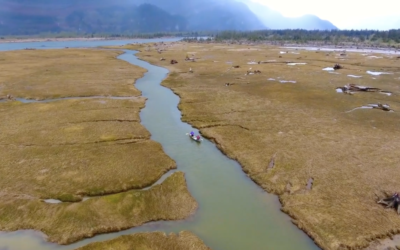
(192, 59)
(354, 87)
(271, 164)
(9, 97)
(384, 107)
(350, 88)
(273, 61)
(337, 66)
(310, 183)
(391, 202)
(250, 72)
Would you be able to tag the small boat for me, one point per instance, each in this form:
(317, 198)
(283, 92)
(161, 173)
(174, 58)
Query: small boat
(195, 138)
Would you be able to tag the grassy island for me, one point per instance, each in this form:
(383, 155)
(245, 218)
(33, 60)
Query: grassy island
(151, 241)
(91, 156)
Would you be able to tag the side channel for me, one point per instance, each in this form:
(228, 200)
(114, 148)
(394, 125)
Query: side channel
(234, 213)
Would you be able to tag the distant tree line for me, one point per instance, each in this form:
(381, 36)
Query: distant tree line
(332, 37)
(306, 36)
(148, 35)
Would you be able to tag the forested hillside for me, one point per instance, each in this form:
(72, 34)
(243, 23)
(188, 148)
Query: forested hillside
(25, 17)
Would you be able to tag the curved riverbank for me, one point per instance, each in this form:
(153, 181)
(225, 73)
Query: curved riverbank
(288, 137)
(223, 191)
(230, 204)
(71, 148)
(151, 241)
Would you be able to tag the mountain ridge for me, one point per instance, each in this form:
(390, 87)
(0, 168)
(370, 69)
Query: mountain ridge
(275, 20)
(26, 17)
(22, 17)
(229, 14)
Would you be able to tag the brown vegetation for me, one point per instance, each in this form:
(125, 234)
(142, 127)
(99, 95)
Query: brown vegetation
(47, 74)
(77, 147)
(151, 241)
(347, 158)
(69, 149)
(69, 222)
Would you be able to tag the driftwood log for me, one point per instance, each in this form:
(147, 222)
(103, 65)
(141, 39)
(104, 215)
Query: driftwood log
(391, 202)
(337, 66)
(249, 72)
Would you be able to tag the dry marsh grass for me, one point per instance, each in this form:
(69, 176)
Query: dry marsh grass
(47, 74)
(69, 149)
(77, 147)
(69, 222)
(151, 241)
(352, 156)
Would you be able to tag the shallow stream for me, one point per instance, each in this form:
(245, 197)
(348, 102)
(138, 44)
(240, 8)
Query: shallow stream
(234, 213)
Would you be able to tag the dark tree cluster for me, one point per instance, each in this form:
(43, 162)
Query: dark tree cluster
(304, 36)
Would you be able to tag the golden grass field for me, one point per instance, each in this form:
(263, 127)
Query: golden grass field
(48, 74)
(151, 241)
(70, 222)
(304, 126)
(69, 149)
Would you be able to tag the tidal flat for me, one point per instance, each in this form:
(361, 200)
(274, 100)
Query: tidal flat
(91, 155)
(292, 132)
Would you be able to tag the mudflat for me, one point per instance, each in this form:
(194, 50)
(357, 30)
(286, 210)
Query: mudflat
(328, 155)
(91, 155)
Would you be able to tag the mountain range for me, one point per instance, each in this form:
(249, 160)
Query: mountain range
(27, 17)
(275, 20)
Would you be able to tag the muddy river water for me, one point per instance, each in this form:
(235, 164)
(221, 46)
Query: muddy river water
(234, 213)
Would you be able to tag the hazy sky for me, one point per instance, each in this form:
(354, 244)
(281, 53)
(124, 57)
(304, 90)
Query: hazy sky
(345, 14)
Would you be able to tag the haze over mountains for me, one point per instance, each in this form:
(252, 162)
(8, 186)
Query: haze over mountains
(379, 23)
(27, 17)
(275, 20)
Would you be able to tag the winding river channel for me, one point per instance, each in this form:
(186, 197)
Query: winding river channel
(234, 213)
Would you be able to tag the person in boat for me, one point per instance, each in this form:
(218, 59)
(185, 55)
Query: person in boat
(192, 133)
(198, 137)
